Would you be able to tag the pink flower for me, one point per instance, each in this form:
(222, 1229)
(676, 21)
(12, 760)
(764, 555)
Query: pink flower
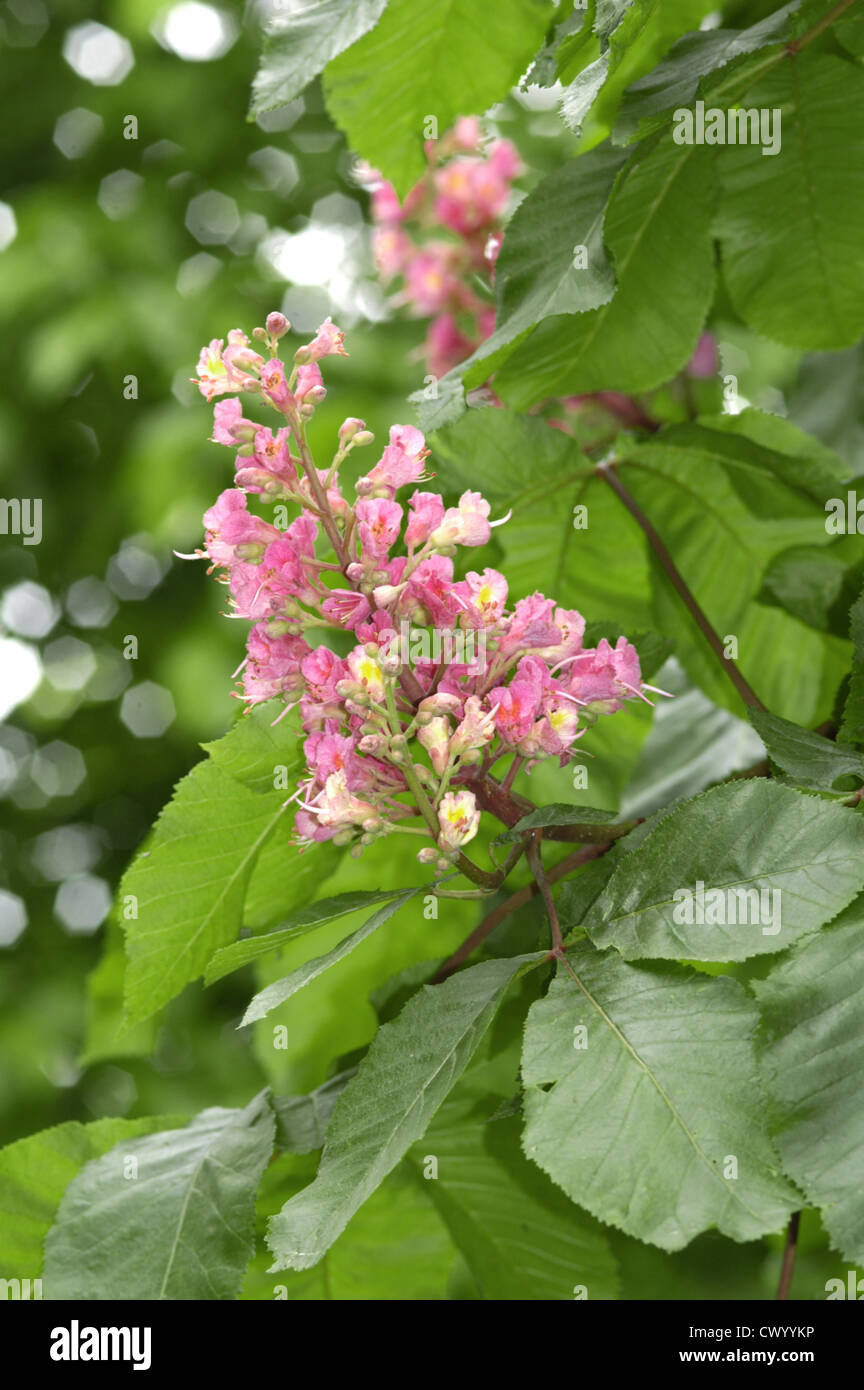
(471, 193)
(220, 371)
(446, 345)
(467, 524)
(605, 678)
(482, 598)
(427, 512)
(518, 704)
(378, 524)
(401, 462)
(430, 284)
(431, 589)
(275, 385)
(310, 384)
(704, 361)
(458, 818)
(504, 159)
(385, 202)
(466, 134)
(328, 342)
(531, 628)
(232, 533)
(270, 469)
(346, 607)
(272, 665)
(476, 729)
(392, 249)
(229, 425)
(366, 671)
(337, 808)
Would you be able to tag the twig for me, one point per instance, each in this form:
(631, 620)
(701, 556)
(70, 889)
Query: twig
(512, 904)
(535, 860)
(748, 695)
(789, 1252)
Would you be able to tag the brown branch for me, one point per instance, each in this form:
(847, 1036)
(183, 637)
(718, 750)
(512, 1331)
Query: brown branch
(512, 904)
(788, 1266)
(748, 695)
(535, 860)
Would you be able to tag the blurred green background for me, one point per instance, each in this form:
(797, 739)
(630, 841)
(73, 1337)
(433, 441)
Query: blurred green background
(141, 214)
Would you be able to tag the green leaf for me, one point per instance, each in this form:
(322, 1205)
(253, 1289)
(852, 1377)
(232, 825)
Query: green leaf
(281, 990)
(188, 886)
(396, 1248)
(556, 814)
(850, 32)
(189, 883)
(304, 920)
(34, 1174)
(783, 862)
(638, 1116)
(299, 45)
(806, 758)
(809, 1050)
(538, 273)
(692, 744)
(178, 1226)
(436, 59)
(263, 756)
(852, 727)
(649, 328)
(407, 1073)
(301, 1121)
(789, 223)
(752, 501)
(675, 81)
(520, 1236)
(817, 585)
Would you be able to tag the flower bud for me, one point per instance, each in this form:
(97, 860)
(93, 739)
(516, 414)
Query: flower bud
(363, 437)
(350, 428)
(276, 324)
(428, 855)
(435, 738)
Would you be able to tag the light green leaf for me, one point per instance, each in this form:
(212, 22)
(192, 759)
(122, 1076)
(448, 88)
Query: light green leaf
(789, 223)
(279, 991)
(188, 885)
(439, 58)
(774, 864)
(649, 328)
(304, 920)
(34, 1174)
(806, 758)
(181, 1228)
(641, 1091)
(809, 1051)
(298, 45)
(406, 1075)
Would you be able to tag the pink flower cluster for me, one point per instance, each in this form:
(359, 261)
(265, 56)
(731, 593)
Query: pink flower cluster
(389, 736)
(463, 194)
